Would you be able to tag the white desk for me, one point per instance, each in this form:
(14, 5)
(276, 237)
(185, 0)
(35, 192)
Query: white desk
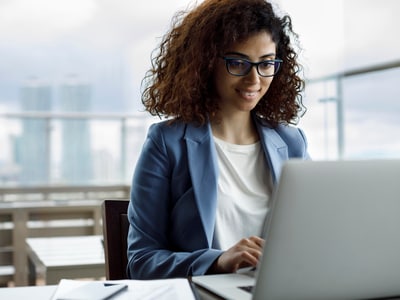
(46, 292)
(54, 258)
(31, 293)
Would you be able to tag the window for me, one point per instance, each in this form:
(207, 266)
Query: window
(70, 75)
(352, 62)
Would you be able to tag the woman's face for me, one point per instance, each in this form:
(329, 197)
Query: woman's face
(237, 94)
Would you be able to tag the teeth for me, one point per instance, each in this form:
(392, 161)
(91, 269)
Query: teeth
(249, 94)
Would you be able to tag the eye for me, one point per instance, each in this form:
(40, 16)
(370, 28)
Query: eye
(237, 63)
(267, 64)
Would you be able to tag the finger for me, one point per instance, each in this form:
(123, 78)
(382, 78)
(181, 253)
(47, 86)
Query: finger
(257, 240)
(250, 257)
(251, 241)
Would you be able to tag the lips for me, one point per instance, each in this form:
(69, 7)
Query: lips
(248, 94)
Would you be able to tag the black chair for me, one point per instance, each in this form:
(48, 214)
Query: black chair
(115, 231)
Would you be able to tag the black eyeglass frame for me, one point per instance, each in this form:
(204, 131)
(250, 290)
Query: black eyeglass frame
(276, 62)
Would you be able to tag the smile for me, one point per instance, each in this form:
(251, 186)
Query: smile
(249, 94)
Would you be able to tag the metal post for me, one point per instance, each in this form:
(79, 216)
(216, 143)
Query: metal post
(123, 148)
(340, 117)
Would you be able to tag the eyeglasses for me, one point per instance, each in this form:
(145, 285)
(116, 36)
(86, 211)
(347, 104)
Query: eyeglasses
(242, 67)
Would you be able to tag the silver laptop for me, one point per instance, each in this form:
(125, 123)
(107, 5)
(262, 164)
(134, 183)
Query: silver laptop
(333, 233)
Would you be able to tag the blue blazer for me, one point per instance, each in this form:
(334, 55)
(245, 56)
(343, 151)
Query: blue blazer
(174, 194)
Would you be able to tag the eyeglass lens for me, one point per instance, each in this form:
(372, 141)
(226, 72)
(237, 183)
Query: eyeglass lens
(240, 67)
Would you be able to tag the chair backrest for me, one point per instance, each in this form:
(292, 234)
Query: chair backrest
(115, 231)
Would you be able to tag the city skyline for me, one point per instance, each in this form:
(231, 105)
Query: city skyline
(32, 148)
(108, 44)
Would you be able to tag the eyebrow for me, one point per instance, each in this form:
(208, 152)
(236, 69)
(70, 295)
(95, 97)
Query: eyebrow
(247, 57)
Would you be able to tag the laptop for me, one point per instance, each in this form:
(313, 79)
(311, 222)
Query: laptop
(333, 232)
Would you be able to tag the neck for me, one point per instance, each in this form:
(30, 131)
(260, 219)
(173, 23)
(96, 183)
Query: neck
(238, 129)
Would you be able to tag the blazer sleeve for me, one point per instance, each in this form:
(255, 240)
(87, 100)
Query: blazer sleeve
(152, 254)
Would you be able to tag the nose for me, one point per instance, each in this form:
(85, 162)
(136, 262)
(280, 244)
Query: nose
(253, 75)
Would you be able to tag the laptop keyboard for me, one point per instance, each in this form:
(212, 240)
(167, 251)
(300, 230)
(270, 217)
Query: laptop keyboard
(248, 288)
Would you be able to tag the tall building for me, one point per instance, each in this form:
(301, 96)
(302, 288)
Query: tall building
(34, 144)
(76, 164)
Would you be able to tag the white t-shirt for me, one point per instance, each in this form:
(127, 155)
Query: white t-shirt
(244, 187)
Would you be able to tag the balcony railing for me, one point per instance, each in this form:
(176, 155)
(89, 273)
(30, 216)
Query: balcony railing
(62, 193)
(49, 148)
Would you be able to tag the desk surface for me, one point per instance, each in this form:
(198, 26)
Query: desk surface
(47, 291)
(28, 292)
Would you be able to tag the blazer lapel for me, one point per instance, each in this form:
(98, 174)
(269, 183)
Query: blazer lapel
(275, 149)
(203, 168)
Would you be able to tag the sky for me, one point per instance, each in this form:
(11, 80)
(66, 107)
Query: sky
(93, 39)
(105, 42)
(108, 43)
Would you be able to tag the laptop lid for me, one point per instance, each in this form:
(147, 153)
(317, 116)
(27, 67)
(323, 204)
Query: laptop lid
(333, 232)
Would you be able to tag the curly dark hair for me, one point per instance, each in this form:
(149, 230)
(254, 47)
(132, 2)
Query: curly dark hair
(180, 83)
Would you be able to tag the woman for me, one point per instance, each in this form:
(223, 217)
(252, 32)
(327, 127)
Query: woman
(226, 77)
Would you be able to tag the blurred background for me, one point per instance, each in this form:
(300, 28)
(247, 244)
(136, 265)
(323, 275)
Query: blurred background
(70, 74)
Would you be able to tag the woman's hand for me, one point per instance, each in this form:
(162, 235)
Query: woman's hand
(245, 253)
